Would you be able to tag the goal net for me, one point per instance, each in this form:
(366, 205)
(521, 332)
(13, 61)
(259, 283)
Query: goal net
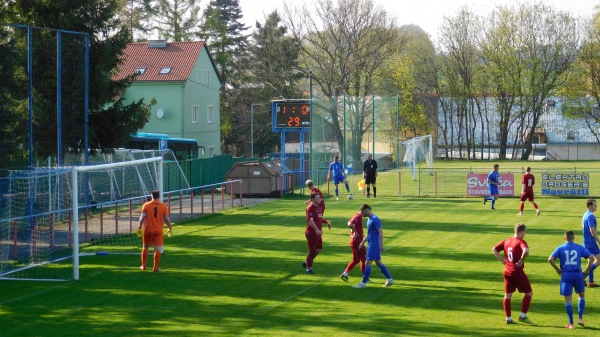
(416, 151)
(52, 217)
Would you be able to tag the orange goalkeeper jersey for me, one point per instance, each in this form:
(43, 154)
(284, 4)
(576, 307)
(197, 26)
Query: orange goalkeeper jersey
(155, 213)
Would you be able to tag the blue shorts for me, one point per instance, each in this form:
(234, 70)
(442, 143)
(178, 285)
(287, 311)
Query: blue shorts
(570, 280)
(337, 180)
(593, 249)
(373, 253)
(493, 190)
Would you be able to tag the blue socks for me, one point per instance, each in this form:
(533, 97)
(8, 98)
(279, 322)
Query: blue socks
(569, 308)
(580, 307)
(385, 271)
(366, 274)
(336, 192)
(347, 187)
(591, 275)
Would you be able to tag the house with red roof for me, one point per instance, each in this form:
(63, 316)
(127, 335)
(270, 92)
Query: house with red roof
(182, 78)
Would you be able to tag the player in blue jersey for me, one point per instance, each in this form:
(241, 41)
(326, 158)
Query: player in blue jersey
(493, 183)
(571, 276)
(590, 235)
(336, 168)
(374, 238)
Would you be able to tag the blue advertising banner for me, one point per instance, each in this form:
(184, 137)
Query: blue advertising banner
(567, 184)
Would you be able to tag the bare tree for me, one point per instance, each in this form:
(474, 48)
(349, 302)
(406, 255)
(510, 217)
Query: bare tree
(521, 59)
(460, 65)
(504, 66)
(550, 43)
(344, 46)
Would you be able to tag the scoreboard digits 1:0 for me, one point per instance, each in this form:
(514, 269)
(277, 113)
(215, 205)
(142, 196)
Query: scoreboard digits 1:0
(292, 114)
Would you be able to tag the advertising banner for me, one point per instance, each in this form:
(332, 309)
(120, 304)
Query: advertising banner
(477, 185)
(567, 184)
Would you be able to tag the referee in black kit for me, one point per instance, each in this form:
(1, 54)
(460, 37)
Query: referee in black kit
(370, 175)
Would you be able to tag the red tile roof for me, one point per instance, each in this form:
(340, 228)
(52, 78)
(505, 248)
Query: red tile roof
(181, 56)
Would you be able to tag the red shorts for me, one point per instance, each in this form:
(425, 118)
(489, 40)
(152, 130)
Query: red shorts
(314, 241)
(518, 281)
(358, 253)
(527, 196)
(153, 236)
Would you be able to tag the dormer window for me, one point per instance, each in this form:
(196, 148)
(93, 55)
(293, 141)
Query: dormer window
(140, 71)
(165, 70)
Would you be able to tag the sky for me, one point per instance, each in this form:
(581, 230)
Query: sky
(428, 14)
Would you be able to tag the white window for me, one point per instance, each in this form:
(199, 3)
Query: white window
(165, 70)
(210, 114)
(211, 151)
(141, 70)
(195, 111)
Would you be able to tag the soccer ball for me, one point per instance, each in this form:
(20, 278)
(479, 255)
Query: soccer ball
(350, 197)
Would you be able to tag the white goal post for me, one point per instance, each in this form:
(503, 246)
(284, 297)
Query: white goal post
(108, 168)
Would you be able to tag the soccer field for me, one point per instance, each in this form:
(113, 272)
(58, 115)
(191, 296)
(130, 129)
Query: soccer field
(239, 273)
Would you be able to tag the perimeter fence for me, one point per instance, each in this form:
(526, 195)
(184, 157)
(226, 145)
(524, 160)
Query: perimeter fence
(468, 181)
(43, 94)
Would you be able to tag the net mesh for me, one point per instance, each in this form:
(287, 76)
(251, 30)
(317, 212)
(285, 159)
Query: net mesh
(42, 94)
(353, 127)
(416, 151)
(36, 224)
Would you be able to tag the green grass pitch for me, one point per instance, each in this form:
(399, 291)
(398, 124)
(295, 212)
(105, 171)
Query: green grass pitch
(239, 273)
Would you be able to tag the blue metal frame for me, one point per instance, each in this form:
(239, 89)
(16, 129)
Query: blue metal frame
(282, 156)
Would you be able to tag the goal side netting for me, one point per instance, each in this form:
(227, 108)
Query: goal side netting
(52, 217)
(415, 152)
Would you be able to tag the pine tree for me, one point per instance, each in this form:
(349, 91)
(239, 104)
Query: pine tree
(174, 20)
(224, 33)
(134, 15)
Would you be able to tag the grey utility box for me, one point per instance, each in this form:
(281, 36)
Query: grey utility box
(259, 179)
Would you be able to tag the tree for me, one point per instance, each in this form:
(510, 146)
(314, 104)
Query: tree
(412, 115)
(582, 87)
(460, 66)
(111, 122)
(409, 76)
(134, 15)
(224, 33)
(504, 67)
(550, 44)
(274, 74)
(344, 46)
(522, 59)
(13, 99)
(175, 20)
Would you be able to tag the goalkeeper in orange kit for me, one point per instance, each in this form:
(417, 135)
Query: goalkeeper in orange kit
(154, 212)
